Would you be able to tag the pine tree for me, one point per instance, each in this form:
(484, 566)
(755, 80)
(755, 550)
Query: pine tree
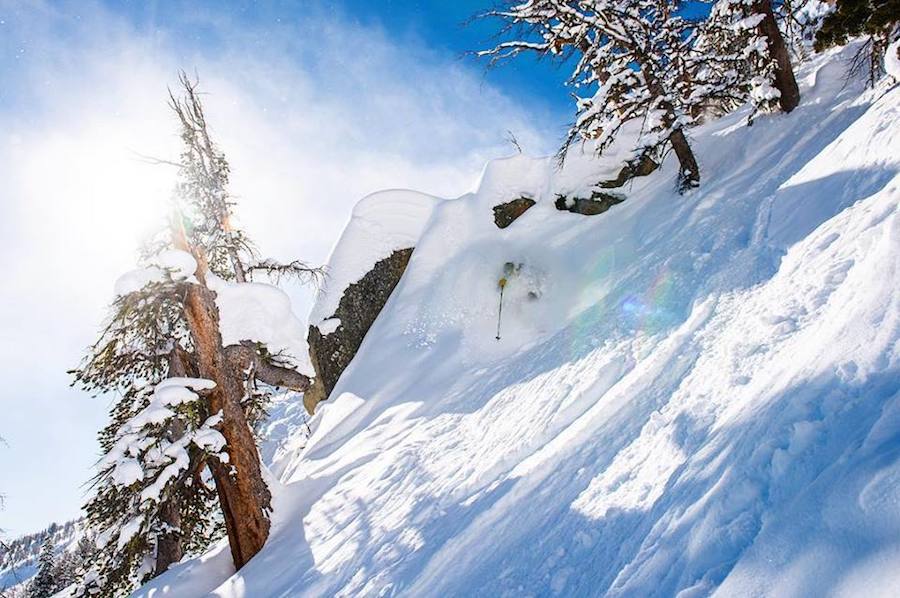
(180, 441)
(877, 20)
(635, 54)
(149, 486)
(747, 53)
(799, 21)
(221, 251)
(851, 18)
(44, 583)
(65, 571)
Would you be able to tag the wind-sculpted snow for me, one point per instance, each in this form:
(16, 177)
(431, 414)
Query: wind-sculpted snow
(691, 395)
(381, 223)
(261, 312)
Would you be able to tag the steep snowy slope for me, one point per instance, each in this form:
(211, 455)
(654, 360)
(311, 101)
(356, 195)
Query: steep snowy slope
(692, 395)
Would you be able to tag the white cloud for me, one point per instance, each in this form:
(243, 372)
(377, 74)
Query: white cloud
(312, 116)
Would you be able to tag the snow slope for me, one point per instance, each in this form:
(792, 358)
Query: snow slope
(703, 399)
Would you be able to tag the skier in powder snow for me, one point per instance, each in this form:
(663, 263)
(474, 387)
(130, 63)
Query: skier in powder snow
(529, 278)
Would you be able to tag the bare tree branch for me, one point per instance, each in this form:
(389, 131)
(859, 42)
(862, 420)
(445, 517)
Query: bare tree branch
(154, 160)
(296, 268)
(248, 356)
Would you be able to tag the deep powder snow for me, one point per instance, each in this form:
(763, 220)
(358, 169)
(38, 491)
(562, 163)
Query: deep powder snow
(691, 396)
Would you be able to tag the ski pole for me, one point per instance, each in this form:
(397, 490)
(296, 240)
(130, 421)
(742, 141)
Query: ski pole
(502, 283)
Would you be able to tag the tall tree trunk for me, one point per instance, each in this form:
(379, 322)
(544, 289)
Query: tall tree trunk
(169, 548)
(244, 497)
(778, 50)
(689, 174)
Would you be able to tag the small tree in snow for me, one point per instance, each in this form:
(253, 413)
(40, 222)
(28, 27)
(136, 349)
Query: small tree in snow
(634, 54)
(181, 434)
(44, 583)
(69, 563)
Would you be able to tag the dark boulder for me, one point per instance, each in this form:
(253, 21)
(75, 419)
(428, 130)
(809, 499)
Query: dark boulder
(506, 213)
(360, 304)
(597, 203)
(641, 166)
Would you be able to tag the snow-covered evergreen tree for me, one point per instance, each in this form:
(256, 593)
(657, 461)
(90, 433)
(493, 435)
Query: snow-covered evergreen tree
(148, 485)
(744, 51)
(799, 21)
(633, 59)
(180, 435)
(70, 562)
(877, 20)
(44, 583)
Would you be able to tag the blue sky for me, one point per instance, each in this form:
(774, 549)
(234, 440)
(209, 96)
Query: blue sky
(315, 104)
(444, 29)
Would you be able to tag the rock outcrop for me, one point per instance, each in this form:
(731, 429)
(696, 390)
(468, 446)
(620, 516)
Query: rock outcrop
(506, 213)
(597, 203)
(332, 349)
(642, 166)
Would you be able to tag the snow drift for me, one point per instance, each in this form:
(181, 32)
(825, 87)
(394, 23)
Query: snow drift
(380, 224)
(691, 395)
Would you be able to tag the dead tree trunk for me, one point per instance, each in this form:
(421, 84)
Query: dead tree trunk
(245, 499)
(785, 82)
(689, 175)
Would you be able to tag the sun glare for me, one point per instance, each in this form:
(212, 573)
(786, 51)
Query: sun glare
(93, 190)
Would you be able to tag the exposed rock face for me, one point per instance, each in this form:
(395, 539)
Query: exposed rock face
(506, 213)
(360, 304)
(597, 203)
(641, 166)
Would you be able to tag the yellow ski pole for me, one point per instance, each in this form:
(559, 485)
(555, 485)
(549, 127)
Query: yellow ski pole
(502, 284)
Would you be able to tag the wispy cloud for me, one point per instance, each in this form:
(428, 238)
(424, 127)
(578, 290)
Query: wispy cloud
(312, 114)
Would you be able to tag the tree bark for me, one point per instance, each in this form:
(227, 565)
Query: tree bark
(244, 497)
(689, 171)
(785, 82)
(169, 549)
(245, 356)
(689, 175)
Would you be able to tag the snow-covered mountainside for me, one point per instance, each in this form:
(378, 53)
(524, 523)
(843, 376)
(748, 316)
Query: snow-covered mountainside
(692, 395)
(19, 557)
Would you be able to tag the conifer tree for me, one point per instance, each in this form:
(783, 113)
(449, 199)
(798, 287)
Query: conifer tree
(746, 51)
(44, 583)
(799, 20)
(635, 54)
(70, 562)
(180, 457)
(877, 20)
